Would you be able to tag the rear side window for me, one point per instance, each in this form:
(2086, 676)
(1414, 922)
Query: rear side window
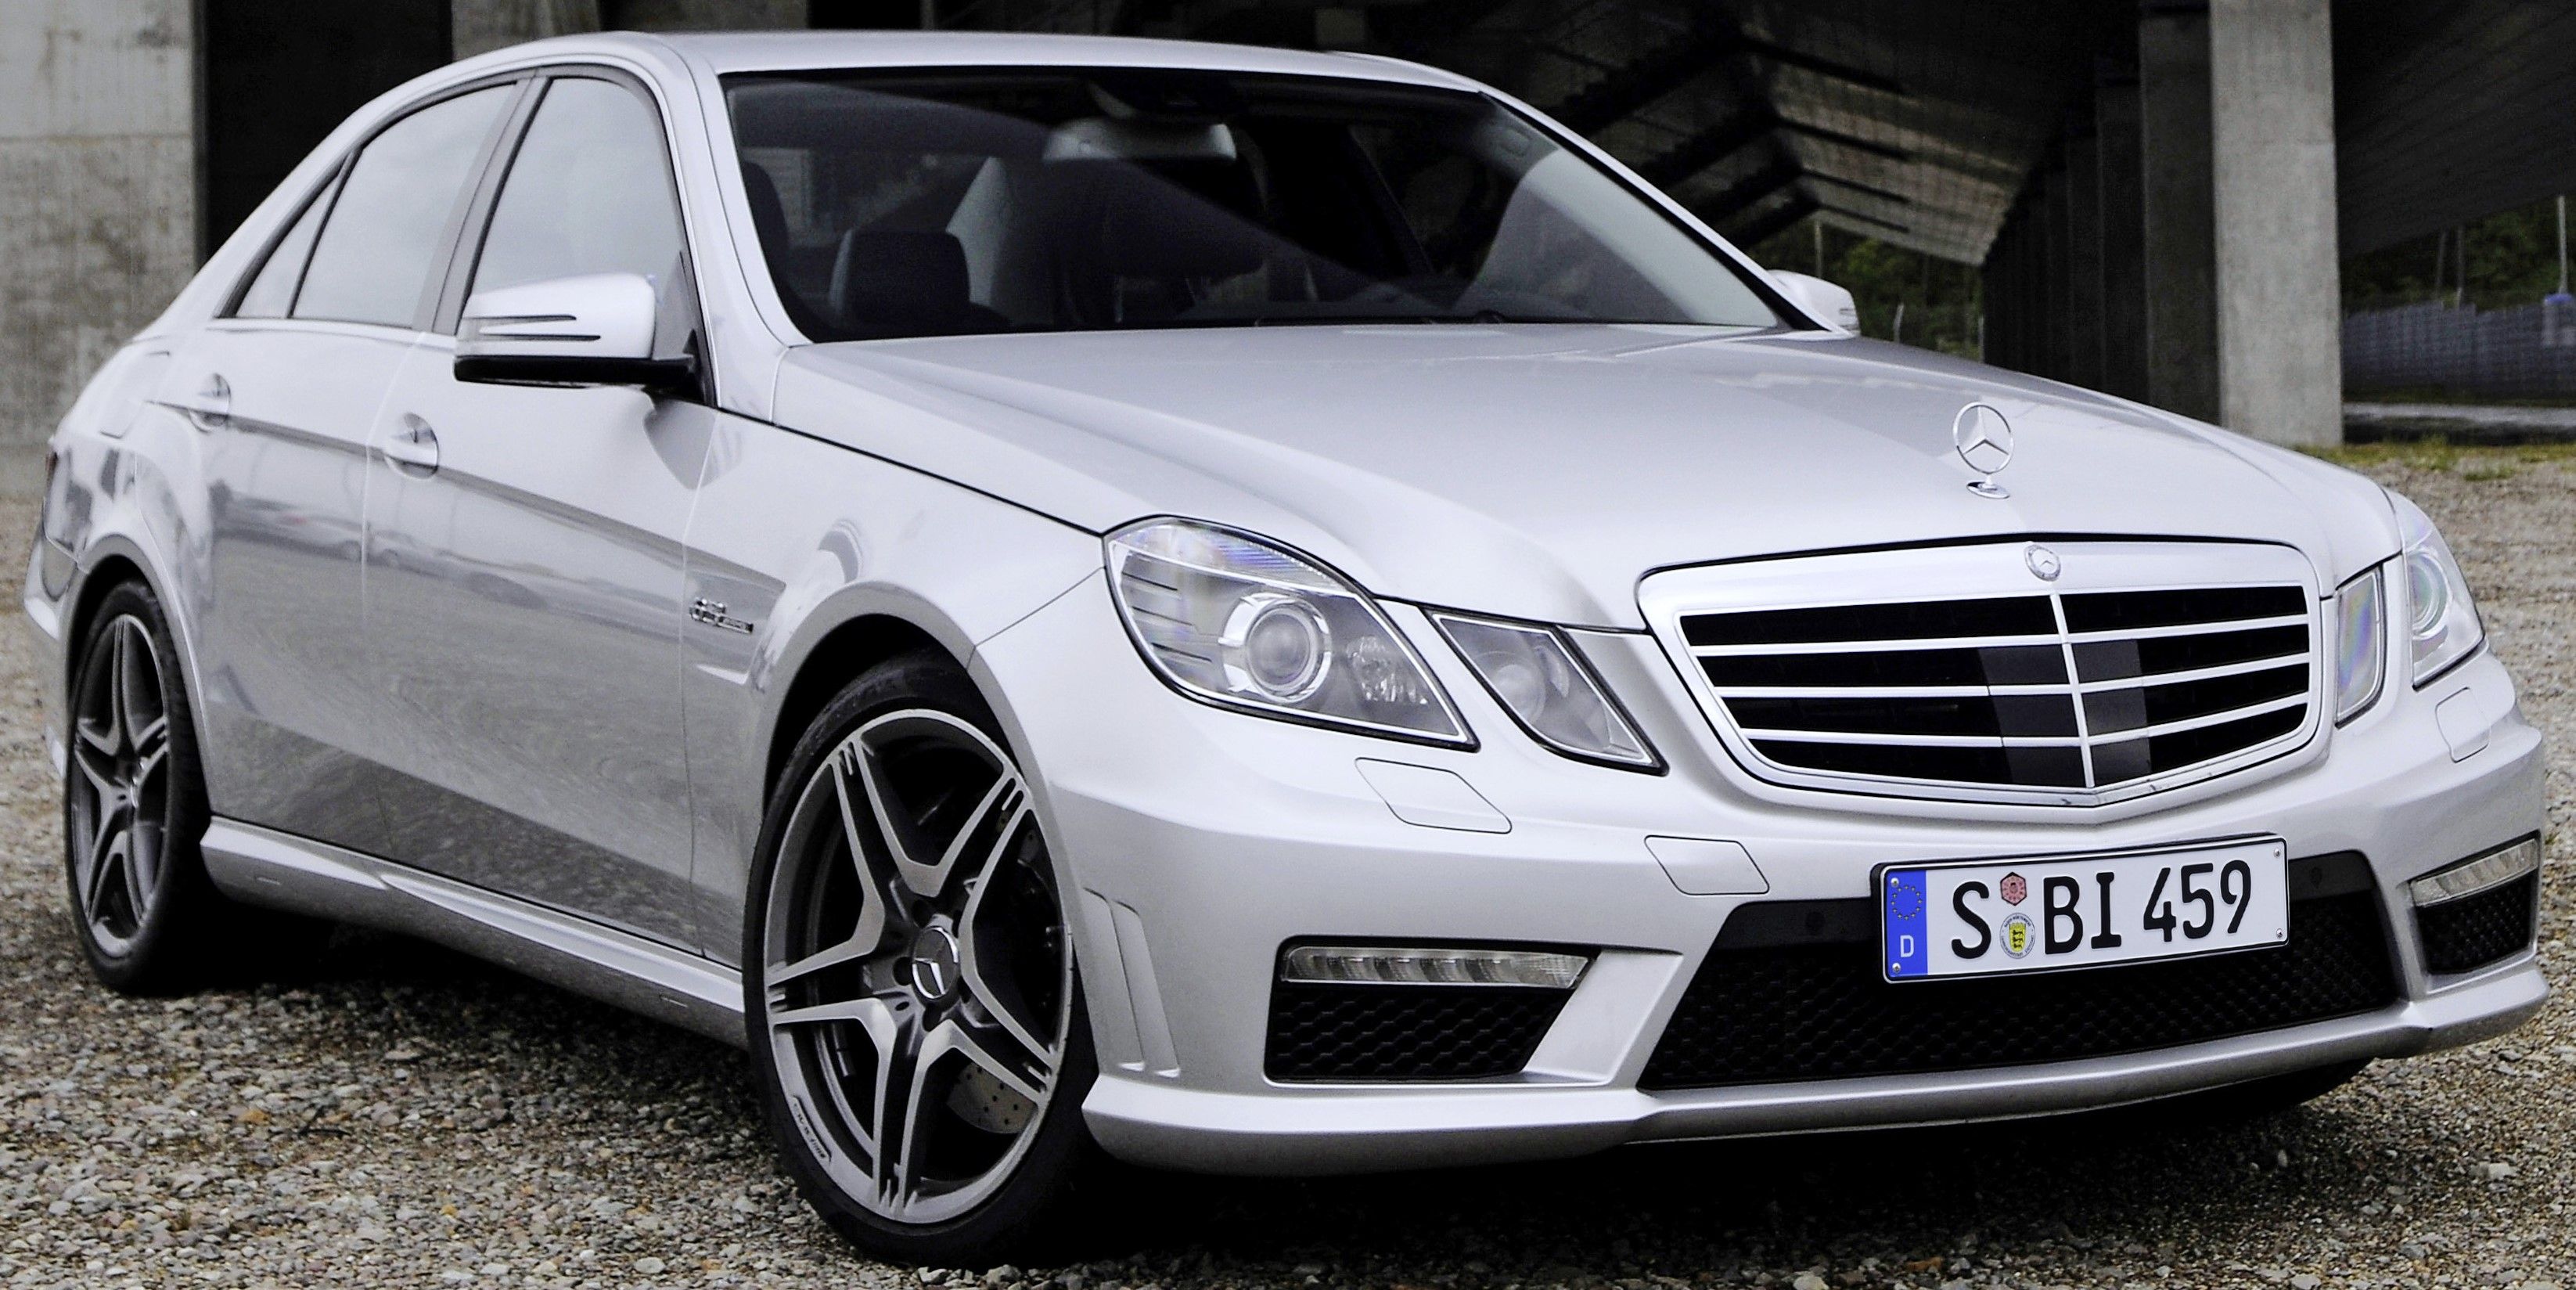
(272, 293)
(590, 192)
(383, 236)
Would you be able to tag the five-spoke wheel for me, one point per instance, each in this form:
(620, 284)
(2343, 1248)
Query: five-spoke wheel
(914, 993)
(134, 811)
(119, 794)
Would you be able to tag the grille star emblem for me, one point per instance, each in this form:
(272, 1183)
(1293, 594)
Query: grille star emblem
(2044, 563)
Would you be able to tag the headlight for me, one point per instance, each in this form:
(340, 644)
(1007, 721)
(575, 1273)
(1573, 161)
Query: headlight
(2441, 621)
(2360, 644)
(1225, 617)
(1548, 690)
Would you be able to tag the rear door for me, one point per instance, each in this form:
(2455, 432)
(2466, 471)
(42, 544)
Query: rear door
(523, 569)
(283, 393)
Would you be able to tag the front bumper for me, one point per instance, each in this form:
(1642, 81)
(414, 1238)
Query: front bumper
(1198, 842)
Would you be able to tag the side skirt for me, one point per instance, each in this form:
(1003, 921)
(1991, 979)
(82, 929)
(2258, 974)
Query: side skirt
(262, 866)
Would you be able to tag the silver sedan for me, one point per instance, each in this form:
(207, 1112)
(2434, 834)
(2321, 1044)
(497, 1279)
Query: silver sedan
(1246, 611)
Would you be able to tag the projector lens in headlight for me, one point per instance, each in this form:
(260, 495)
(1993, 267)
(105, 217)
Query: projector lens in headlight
(1228, 618)
(2441, 620)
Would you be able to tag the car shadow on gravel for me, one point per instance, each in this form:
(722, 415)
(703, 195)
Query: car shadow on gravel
(2120, 1183)
(2124, 1182)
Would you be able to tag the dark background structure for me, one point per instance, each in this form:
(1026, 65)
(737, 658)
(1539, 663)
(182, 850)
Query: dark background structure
(2156, 198)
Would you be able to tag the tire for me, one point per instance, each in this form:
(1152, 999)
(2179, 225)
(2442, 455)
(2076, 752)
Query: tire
(925, 996)
(134, 813)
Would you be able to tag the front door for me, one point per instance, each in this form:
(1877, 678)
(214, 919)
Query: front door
(523, 566)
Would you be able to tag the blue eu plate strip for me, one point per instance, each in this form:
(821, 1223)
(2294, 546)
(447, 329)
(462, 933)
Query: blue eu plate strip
(1904, 924)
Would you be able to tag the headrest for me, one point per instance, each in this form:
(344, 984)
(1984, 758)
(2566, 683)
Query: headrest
(768, 213)
(899, 281)
(1192, 221)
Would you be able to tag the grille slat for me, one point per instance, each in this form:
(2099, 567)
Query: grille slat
(1978, 691)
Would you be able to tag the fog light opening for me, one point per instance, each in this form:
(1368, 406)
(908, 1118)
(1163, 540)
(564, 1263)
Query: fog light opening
(1424, 965)
(2470, 877)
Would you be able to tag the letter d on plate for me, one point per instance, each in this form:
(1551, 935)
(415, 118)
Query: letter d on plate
(1903, 921)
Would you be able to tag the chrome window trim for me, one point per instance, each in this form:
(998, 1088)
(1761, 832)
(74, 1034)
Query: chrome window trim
(1978, 570)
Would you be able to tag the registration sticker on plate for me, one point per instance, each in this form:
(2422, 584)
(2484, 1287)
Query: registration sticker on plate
(1992, 917)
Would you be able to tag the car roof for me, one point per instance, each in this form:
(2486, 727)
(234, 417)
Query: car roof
(727, 52)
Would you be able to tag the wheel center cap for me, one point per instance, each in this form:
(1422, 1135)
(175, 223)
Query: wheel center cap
(934, 964)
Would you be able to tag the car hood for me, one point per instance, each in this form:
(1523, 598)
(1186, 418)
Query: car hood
(1540, 471)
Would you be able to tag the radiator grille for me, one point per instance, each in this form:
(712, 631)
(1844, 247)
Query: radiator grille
(2076, 691)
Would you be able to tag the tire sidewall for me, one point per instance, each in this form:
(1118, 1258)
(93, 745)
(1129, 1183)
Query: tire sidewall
(1017, 1213)
(155, 958)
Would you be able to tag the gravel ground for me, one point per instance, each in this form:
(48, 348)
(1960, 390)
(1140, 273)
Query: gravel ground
(409, 1117)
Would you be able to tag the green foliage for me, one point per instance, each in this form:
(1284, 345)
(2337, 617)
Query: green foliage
(2512, 260)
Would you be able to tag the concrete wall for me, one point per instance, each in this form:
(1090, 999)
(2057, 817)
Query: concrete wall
(704, 15)
(481, 26)
(98, 211)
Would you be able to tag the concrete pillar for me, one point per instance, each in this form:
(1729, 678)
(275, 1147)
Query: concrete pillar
(2279, 290)
(483, 25)
(2124, 263)
(1992, 292)
(2056, 280)
(2178, 213)
(98, 197)
(2083, 261)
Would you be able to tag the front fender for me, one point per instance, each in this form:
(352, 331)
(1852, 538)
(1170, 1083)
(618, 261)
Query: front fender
(793, 542)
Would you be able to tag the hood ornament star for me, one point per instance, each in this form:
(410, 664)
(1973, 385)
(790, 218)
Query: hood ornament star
(1985, 441)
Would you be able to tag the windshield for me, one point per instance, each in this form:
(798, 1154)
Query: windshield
(929, 203)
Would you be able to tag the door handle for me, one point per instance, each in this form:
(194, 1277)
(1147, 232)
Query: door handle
(412, 448)
(211, 406)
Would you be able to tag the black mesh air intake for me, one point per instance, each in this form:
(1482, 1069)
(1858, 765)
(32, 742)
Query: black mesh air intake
(2471, 932)
(1404, 1032)
(1792, 992)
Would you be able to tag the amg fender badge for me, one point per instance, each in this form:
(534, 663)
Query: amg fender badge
(713, 614)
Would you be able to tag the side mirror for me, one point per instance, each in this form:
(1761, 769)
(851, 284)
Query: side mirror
(1819, 297)
(596, 329)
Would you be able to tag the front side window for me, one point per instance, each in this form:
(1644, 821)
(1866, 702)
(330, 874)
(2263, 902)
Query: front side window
(384, 235)
(590, 192)
(911, 203)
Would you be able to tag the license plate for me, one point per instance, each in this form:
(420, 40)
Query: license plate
(1993, 917)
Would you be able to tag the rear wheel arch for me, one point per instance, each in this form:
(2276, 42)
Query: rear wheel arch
(115, 562)
(112, 571)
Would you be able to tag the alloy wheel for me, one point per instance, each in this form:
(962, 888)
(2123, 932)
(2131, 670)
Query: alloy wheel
(917, 979)
(121, 751)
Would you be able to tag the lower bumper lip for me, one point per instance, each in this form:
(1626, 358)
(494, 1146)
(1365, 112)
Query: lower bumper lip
(1346, 1129)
